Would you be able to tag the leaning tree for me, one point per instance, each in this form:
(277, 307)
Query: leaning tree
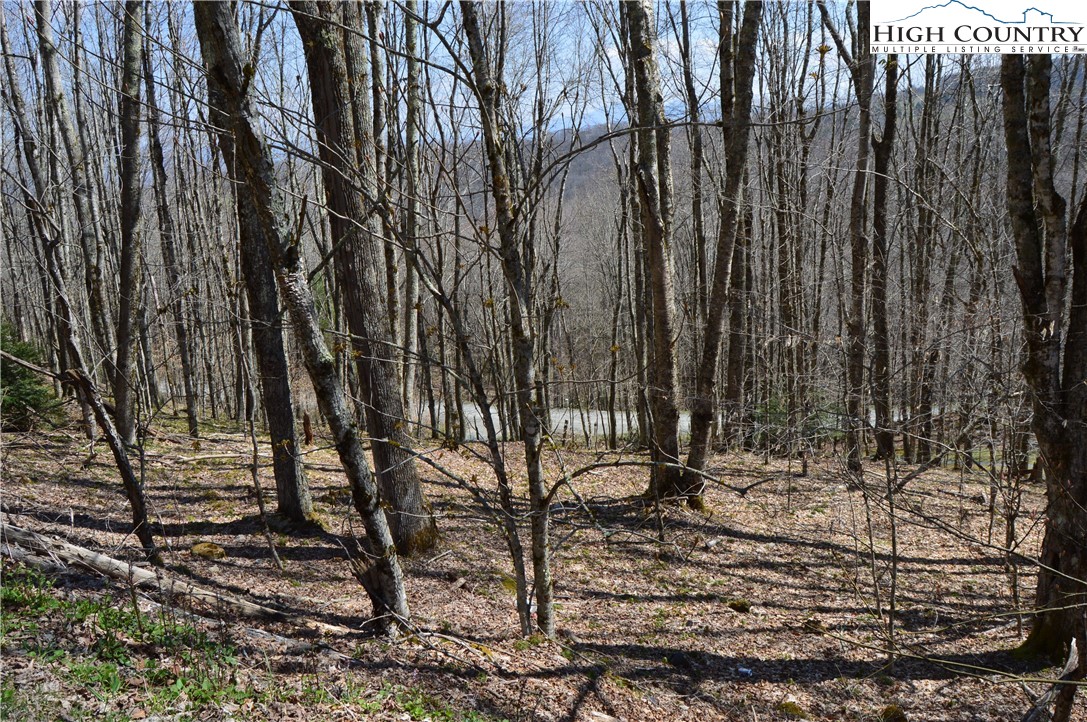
(254, 173)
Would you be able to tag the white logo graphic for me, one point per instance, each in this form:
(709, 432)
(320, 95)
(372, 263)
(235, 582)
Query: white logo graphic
(956, 26)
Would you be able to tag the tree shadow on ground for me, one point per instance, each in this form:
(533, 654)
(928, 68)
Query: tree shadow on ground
(630, 515)
(684, 669)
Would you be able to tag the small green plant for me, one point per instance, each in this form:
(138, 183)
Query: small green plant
(421, 706)
(24, 599)
(313, 692)
(618, 680)
(791, 709)
(48, 655)
(24, 400)
(202, 682)
(528, 642)
(110, 648)
(892, 713)
(157, 675)
(103, 679)
(742, 606)
(660, 620)
(127, 645)
(415, 703)
(25, 591)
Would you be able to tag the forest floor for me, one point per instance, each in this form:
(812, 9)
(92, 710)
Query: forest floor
(762, 608)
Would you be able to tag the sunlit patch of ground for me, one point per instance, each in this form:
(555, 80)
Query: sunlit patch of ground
(763, 608)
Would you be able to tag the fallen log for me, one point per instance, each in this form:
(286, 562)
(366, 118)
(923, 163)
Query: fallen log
(54, 555)
(43, 548)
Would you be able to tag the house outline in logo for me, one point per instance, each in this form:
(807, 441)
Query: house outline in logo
(1045, 19)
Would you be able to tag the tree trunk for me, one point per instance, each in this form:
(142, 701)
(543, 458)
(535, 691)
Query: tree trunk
(738, 310)
(124, 380)
(380, 107)
(862, 68)
(515, 246)
(168, 241)
(413, 189)
(736, 94)
(881, 353)
(344, 134)
(77, 372)
(25, 138)
(1043, 242)
(254, 172)
(266, 325)
(654, 187)
(698, 230)
(927, 181)
(89, 220)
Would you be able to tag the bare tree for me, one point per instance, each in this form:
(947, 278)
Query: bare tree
(861, 66)
(266, 324)
(345, 140)
(924, 222)
(78, 372)
(168, 239)
(881, 351)
(413, 189)
(736, 98)
(124, 381)
(515, 248)
(654, 187)
(91, 224)
(1055, 361)
(253, 171)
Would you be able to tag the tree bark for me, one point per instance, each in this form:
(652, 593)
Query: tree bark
(736, 93)
(881, 351)
(862, 68)
(265, 320)
(927, 180)
(344, 135)
(89, 220)
(697, 159)
(413, 189)
(168, 240)
(254, 172)
(381, 109)
(124, 380)
(638, 301)
(738, 310)
(77, 370)
(654, 188)
(136, 576)
(78, 375)
(515, 246)
(1058, 392)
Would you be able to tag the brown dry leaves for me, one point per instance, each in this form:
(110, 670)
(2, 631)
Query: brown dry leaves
(762, 609)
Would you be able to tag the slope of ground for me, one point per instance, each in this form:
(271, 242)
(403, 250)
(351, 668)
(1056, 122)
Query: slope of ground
(764, 608)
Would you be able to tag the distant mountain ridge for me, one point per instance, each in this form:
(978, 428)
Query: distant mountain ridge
(959, 5)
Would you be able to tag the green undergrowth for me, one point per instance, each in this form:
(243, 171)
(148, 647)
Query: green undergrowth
(26, 401)
(111, 661)
(103, 646)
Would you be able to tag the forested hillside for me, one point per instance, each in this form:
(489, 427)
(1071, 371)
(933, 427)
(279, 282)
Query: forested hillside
(537, 360)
